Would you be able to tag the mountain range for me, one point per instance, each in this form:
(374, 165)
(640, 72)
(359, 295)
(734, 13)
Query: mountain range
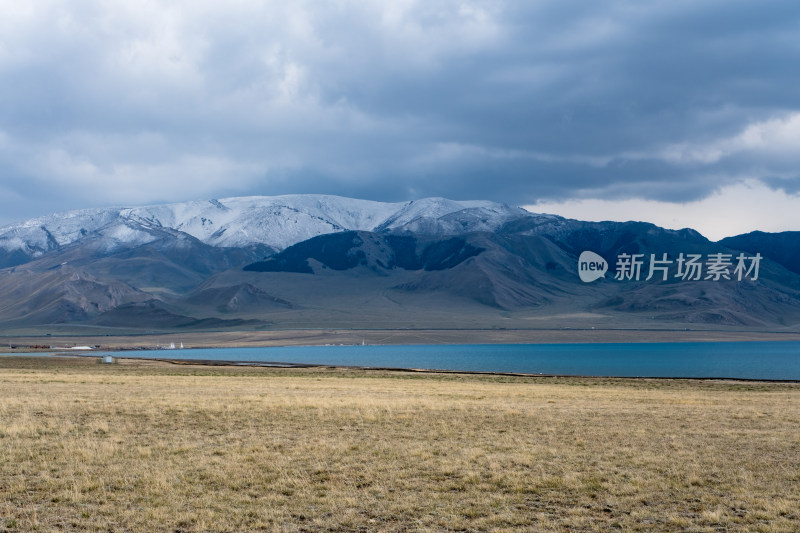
(313, 261)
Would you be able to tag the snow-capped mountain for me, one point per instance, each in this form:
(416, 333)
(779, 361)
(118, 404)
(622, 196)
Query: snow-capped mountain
(277, 222)
(311, 260)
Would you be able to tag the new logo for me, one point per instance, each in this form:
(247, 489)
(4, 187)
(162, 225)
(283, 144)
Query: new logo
(591, 267)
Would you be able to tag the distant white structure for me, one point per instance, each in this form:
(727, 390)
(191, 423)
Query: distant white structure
(108, 359)
(71, 348)
(171, 346)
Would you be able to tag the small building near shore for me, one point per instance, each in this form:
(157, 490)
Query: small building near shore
(82, 348)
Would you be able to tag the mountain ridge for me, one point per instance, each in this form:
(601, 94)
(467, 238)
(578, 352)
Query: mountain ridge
(273, 221)
(329, 261)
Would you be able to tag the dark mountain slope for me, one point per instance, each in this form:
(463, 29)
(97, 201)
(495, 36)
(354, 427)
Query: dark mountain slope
(609, 239)
(499, 271)
(347, 250)
(536, 268)
(783, 248)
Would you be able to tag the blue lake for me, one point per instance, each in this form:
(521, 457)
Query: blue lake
(745, 360)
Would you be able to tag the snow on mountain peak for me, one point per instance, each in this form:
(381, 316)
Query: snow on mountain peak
(276, 221)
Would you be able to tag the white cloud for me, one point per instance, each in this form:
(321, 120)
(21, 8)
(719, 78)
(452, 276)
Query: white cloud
(732, 210)
(190, 176)
(393, 100)
(454, 151)
(778, 136)
(95, 169)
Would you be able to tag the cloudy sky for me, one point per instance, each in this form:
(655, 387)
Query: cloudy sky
(684, 113)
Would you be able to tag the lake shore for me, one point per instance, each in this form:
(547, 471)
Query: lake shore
(146, 445)
(38, 340)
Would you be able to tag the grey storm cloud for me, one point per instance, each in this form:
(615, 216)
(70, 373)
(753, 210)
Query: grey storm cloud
(135, 102)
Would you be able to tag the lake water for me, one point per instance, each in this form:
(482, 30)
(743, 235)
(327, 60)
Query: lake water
(744, 360)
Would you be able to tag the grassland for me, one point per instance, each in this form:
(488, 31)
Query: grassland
(148, 446)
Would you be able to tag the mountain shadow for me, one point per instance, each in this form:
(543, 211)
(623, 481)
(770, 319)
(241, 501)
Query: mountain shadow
(350, 249)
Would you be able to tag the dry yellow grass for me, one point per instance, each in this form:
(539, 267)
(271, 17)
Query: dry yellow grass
(145, 446)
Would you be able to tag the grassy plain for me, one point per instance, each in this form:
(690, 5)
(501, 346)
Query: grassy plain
(149, 446)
